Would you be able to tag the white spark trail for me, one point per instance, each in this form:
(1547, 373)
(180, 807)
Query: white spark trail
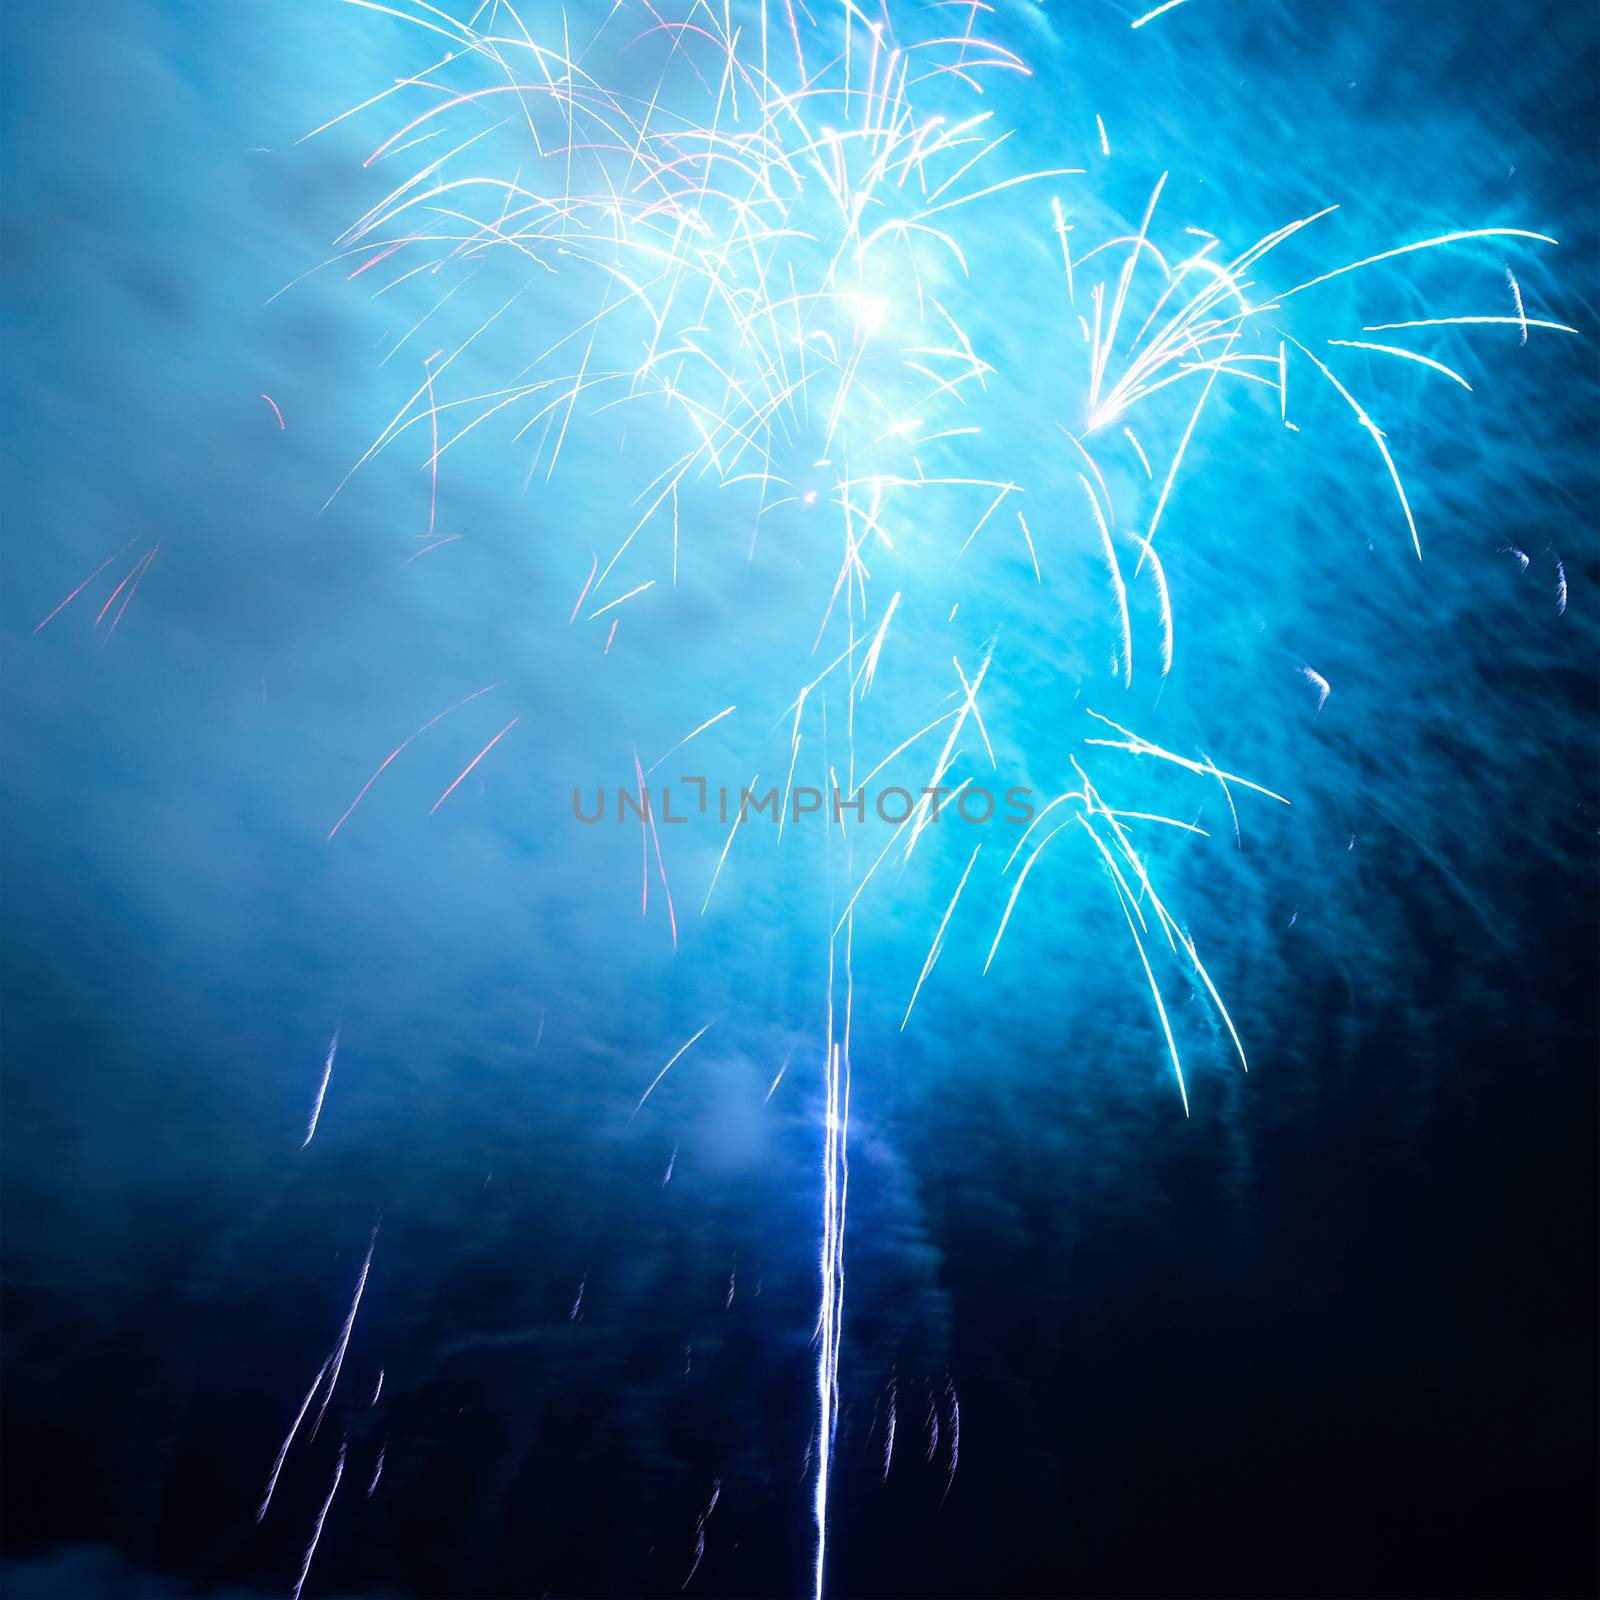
(664, 1071)
(710, 722)
(1421, 244)
(611, 605)
(322, 1517)
(1150, 16)
(728, 843)
(776, 1081)
(1408, 355)
(336, 1360)
(1376, 434)
(955, 1441)
(938, 939)
(322, 1089)
(1457, 322)
(1516, 295)
(294, 1428)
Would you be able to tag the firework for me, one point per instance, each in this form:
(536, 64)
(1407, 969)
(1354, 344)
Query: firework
(769, 249)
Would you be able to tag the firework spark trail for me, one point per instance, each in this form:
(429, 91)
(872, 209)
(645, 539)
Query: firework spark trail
(831, 1265)
(700, 1531)
(1376, 434)
(776, 1081)
(275, 411)
(611, 605)
(322, 1517)
(1405, 355)
(438, 544)
(577, 604)
(938, 938)
(383, 765)
(383, 1450)
(1319, 683)
(727, 846)
(336, 1360)
(665, 1070)
(283, 1450)
(138, 578)
(955, 1440)
(888, 1438)
(655, 842)
(472, 763)
(710, 722)
(330, 1370)
(322, 1088)
(1470, 322)
(1135, 745)
(1150, 16)
(433, 456)
(85, 584)
(135, 577)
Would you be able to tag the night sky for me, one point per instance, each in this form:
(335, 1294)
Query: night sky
(1332, 1333)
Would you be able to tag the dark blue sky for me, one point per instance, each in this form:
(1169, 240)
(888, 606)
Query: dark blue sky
(1332, 1334)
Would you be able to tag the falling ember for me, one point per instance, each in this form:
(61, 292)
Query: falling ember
(955, 1439)
(283, 1451)
(1150, 16)
(700, 1531)
(131, 583)
(776, 1081)
(594, 566)
(1516, 297)
(666, 1069)
(1319, 683)
(409, 739)
(322, 1517)
(84, 585)
(322, 1089)
(472, 763)
(888, 1437)
(336, 1360)
(329, 1370)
